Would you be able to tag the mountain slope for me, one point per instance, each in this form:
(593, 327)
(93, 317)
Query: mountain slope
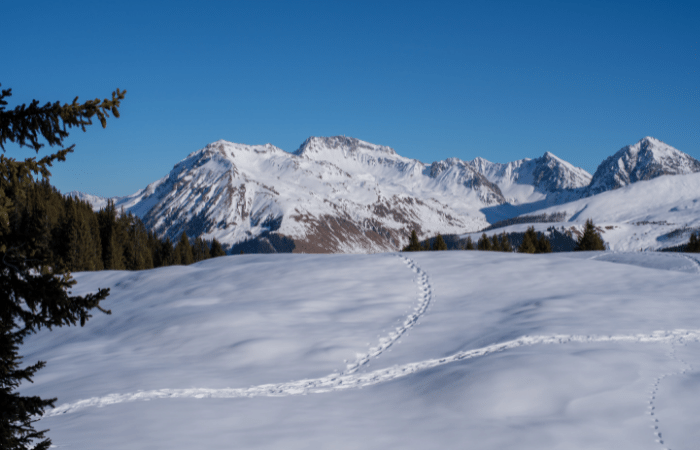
(529, 180)
(340, 194)
(333, 194)
(648, 215)
(647, 159)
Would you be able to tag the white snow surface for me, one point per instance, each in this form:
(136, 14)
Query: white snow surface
(419, 350)
(645, 215)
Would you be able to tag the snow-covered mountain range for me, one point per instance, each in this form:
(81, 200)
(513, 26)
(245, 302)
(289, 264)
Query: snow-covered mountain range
(340, 194)
(530, 180)
(645, 160)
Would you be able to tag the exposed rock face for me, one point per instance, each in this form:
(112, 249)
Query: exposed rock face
(340, 194)
(334, 194)
(529, 180)
(647, 159)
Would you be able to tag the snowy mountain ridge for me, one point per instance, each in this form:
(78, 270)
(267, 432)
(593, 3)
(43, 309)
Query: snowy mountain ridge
(527, 180)
(341, 194)
(647, 159)
(334, 194)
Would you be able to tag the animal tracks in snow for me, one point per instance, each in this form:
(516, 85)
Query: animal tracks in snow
(424, 297)
(658, 437)
(346, 381)
(351, 378)
(333, 381)
(695, 262)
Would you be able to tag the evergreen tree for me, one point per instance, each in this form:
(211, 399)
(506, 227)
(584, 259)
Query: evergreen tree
(469, 245)
(496, 243)
(216, 249)
(154, 248)
(112, 250)
(34, 289)
(74, 239)
(529, 244)
(543, 245)
(439, 243)
(184, 250)
(413, 243)
(693, 245)
(173, 255)
(137, 253)
(484, 243)
(34, 215)
(163, 253)
(95, 249)
(200, 250)
(505, 243)
(590, 239)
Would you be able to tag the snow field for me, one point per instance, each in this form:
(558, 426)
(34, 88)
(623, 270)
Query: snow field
(520, 351)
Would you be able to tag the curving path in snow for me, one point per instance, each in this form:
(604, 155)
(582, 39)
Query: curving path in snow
(346, 381)
(424, 297)
(658, 436)
(351, 378)
(695, 262)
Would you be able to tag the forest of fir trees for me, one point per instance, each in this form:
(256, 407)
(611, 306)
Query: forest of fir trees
(533, 242)
(79, 239)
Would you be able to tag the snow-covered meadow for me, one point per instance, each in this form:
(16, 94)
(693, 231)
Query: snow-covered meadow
(417, 350)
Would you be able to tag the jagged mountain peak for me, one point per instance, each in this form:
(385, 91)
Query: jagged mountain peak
(551, 159)
(342, 194)
(480, 160)
(315, 146)
(231, 149)
(529, 180)
(648, 158)
(549, 156)
(552, 173)
(651, 139)
(336, 194)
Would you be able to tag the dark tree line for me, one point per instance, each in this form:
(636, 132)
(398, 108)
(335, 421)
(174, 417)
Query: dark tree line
(79, 239)
(44, 237)
(693, 245)
(532, 242)
(496, 243)
(414, 245)
(34, 285)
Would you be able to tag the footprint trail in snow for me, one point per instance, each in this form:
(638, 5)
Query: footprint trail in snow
(341, 382)
(351, 379)
(292, 388)
(655, 425)
(424, 297)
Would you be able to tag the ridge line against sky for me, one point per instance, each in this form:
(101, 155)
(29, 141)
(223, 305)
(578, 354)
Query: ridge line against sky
(501, 80)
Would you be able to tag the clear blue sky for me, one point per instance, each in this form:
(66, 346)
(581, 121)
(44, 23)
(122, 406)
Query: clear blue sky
(502, 80)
